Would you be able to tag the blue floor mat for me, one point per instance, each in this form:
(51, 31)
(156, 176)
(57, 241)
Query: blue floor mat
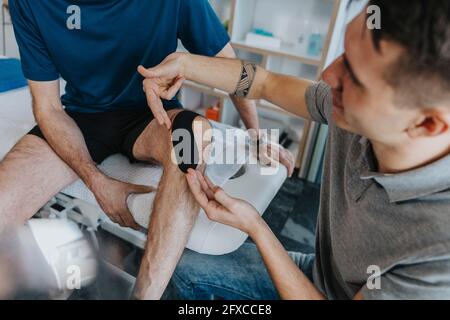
(11, 76)
(292, 215)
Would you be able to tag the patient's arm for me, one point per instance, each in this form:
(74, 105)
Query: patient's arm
(66, 139)
(60, 130)
(227, 75)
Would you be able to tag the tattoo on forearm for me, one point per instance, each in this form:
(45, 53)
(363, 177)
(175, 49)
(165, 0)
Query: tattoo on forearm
(247, 77)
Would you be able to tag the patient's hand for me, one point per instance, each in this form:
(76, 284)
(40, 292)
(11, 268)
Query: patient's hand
(219, 206)
(163, 81)
(272, 154)
(112, 196)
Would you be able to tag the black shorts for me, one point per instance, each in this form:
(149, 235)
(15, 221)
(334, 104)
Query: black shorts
(109, 133)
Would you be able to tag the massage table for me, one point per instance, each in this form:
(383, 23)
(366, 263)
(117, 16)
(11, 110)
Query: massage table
(78, 204)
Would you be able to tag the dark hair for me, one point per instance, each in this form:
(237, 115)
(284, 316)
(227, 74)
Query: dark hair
(422, 27)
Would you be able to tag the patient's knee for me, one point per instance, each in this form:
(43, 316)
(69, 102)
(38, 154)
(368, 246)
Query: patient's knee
(191, 136)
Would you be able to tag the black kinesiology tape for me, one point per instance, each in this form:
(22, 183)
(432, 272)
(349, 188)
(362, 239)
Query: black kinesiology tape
(184, 121)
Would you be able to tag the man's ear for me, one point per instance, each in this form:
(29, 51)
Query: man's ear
(431, 124)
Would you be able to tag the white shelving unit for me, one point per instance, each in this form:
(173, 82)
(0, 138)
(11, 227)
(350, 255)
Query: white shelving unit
(292, 21)
(8, 45)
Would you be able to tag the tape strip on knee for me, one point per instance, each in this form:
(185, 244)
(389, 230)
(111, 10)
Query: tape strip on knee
(183, 139)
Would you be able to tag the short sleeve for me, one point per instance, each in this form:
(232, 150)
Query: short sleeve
(199, 28)
(425, 281)
(319, 100)
(36, 62)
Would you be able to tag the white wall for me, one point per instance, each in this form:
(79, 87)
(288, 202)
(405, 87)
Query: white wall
(11, 46)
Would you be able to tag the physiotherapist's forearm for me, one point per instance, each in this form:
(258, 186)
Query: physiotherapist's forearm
(245, 107)
(221, 73)
(225, 74)
(288, 279)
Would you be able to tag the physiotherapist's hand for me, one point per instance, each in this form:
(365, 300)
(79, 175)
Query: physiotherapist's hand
(220, 207)
(163, 82)
(112, 196)
(273, 154)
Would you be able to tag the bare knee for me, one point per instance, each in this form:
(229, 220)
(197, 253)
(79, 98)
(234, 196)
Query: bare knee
(156, 142)
(181, 155)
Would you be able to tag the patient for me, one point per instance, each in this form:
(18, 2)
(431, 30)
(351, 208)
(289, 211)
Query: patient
(384, 223)
(96, 47)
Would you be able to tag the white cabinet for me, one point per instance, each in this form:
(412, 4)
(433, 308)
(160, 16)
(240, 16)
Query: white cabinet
(8, 45)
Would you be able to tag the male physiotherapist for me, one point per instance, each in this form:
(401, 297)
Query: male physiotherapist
(96, 46)
(385, 200)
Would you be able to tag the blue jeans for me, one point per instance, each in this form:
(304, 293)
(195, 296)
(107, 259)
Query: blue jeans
(240, 275)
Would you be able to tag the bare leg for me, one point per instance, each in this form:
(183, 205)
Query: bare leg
(174, 213)
(30, 175)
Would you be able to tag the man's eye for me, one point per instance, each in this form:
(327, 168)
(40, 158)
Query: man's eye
(353, 79)
(350, 73)
(349, 77)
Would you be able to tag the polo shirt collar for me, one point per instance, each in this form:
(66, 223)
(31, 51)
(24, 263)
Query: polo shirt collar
(414, 184)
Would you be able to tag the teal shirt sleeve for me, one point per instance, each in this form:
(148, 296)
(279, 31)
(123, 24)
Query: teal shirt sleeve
(36, 62)
(199, 28)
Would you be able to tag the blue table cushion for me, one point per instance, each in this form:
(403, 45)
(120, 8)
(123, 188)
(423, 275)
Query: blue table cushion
(11, 76)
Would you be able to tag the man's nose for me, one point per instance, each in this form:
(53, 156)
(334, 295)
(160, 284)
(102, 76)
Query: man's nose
(333, 75)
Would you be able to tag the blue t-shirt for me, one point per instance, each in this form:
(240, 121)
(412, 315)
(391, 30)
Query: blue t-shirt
(98, 45)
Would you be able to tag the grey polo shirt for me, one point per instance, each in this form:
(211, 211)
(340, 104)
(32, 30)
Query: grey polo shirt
(397, 224)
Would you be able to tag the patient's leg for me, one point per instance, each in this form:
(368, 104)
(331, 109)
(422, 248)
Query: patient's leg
(173, 216)
(30, 175)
